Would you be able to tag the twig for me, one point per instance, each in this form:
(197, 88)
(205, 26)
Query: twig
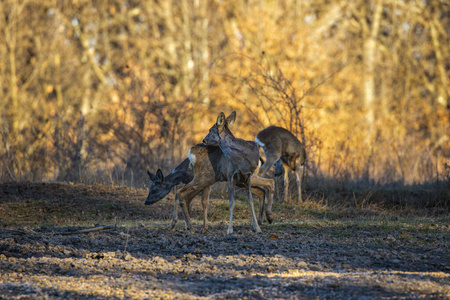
(87, 230)
(15, 231)
(30, 231)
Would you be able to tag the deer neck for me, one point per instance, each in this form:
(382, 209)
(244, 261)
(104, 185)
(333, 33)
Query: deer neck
(178, 175)
(233, 149)
(176, 178)
(226, 140)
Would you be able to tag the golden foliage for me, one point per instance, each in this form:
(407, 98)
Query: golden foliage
(109, 89)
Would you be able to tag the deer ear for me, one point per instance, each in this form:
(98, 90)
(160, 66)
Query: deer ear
(231, 118)
(151, 175)
(159, 176)
(221, 119)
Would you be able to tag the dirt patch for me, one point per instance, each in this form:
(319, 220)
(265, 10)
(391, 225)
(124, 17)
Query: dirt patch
(352, 258)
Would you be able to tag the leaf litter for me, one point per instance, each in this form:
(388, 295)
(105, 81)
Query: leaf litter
(141, 258)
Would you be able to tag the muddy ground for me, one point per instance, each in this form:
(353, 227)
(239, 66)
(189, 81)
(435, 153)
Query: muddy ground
(306, 255)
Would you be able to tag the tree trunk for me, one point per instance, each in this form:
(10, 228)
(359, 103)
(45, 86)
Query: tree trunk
(369, 53)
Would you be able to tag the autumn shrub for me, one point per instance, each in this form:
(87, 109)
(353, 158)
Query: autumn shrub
(99, 92)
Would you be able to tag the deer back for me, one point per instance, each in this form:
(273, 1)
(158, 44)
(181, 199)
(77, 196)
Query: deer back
(284, 144)
(208, 162)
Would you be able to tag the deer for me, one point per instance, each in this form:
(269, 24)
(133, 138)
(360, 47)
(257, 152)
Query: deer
(161, 186)
(286, 151)
(242, 160)
(205, 166)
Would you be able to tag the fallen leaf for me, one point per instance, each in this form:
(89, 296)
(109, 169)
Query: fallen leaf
(273, 237)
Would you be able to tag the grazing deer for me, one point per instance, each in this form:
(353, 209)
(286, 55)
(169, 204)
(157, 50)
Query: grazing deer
(207, 167)
(242, 159)
(161, 186)
(282, 147)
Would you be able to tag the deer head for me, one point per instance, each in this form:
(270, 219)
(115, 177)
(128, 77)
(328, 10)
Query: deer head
(219, 129)
(158, 188)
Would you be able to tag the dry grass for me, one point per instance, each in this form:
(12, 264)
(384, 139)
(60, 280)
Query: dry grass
(68, 204)
(352, 248)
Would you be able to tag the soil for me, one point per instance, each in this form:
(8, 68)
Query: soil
(357, 257)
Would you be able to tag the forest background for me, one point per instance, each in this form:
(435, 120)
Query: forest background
(101, 91)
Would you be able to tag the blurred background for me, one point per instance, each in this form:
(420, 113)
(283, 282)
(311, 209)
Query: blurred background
(101, 91)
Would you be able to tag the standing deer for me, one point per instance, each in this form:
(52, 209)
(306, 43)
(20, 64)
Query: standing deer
(242, 161)
(281, 146)
(208, 165)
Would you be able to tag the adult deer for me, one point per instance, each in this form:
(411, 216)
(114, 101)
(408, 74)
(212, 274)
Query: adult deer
(242, 161)
(282, 147)
(207, 165)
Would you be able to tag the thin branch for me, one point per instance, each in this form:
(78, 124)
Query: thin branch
(30, 231)
(87, 230)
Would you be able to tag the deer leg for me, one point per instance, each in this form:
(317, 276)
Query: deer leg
(298, 174)
(271, 191)
(231, 184)
(260, 193)
(271, 158)
(286, 183)
(189, 191)
(269, 186)
(205, 198)
(262, 204)
(182, 197)
(175, 212)
(250, 203)
(189, 205)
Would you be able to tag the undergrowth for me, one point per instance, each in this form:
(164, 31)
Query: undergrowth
(66, 204)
